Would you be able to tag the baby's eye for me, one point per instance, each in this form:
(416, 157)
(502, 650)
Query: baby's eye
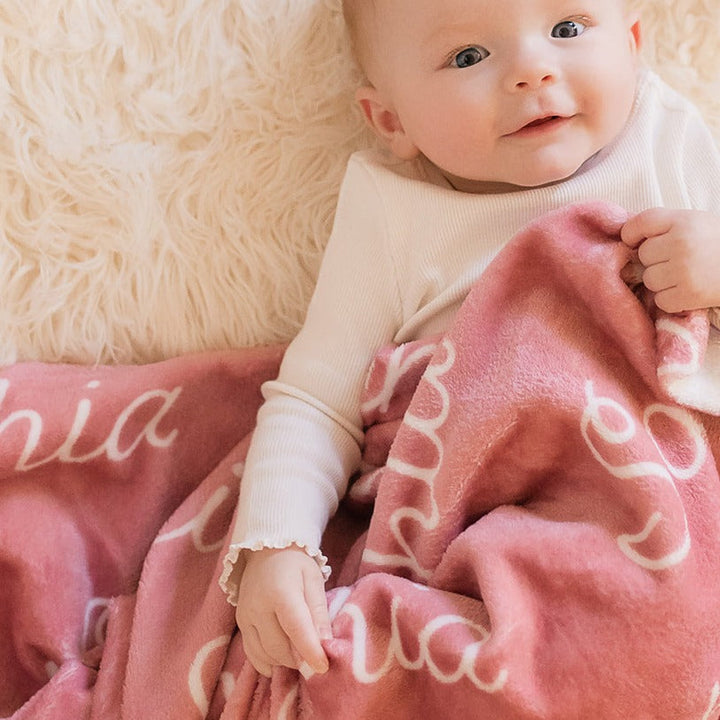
(568, 29)
(469, 56)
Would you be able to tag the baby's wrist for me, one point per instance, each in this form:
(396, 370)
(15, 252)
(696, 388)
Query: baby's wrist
(267, 552)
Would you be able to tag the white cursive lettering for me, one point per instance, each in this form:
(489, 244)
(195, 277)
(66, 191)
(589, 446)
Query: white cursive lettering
(110, 447)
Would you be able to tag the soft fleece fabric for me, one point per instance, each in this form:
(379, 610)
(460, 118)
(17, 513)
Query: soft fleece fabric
(405, 250)
(535, 534)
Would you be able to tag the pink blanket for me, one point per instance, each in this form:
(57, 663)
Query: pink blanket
(535, 534)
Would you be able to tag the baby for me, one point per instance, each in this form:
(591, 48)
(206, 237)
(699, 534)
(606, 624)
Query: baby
(493, 114)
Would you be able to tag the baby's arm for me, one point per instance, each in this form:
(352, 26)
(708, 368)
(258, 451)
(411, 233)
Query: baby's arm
(282, 612)
(307, 440)
(680, 250)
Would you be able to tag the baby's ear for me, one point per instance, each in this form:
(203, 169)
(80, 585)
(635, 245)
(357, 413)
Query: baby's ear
(385, 123)
(635, 34)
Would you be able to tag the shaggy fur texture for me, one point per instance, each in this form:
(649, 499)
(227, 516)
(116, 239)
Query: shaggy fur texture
(168, 168)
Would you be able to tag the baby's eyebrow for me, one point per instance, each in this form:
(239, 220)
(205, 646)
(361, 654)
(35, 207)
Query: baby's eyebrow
(451, 34)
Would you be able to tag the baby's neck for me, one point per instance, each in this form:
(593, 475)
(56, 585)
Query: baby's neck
(494, 187)
(481, 187)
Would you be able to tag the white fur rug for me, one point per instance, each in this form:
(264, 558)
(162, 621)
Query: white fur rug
(168, 168)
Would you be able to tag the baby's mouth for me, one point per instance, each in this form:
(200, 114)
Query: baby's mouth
(542, 121)
(540, 125)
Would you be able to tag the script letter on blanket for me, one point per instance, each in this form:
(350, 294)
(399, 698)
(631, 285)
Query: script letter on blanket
(535, 533)
(547, 522)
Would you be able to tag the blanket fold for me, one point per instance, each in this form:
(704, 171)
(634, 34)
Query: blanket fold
(534, 533)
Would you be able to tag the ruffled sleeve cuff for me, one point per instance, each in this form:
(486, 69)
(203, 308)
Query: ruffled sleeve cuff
(234, 563)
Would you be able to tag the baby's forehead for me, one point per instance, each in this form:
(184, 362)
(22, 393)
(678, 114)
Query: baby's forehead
(357, 11)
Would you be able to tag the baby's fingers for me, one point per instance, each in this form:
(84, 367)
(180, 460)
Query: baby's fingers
(276, 643)
(644, 225)
(297, 623)
(659, 277)
(672, 300)
(255, 653)
(265, 642)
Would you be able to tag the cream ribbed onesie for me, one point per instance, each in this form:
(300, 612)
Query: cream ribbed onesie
(404, 252)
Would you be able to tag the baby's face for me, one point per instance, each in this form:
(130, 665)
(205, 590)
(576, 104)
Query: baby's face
(510, 91)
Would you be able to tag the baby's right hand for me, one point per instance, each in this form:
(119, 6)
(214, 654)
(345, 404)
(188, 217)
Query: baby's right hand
(282, 611)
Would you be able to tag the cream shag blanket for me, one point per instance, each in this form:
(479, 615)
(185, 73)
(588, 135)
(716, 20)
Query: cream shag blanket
(168, 168)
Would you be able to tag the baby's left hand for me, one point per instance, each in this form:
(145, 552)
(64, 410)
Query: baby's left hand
(680, 250)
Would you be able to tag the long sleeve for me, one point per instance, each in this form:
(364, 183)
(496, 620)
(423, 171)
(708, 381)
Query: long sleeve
(309, 431)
